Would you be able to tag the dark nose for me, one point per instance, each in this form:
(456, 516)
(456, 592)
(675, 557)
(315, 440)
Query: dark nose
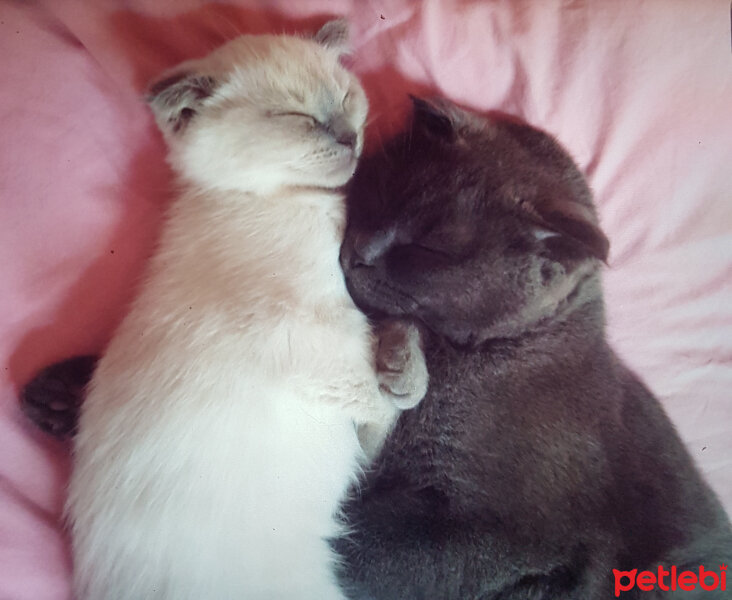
(367, 248)
(342, 132)
(347, 138)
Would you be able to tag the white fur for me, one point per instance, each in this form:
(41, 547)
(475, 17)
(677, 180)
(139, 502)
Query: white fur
(218, 436)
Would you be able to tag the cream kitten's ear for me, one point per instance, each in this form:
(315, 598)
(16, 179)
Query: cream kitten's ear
(176, 99)
(334, 34)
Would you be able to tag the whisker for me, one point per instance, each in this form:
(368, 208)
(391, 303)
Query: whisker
(372, 118)
(232, 27)
(409, 138)
(382, 146)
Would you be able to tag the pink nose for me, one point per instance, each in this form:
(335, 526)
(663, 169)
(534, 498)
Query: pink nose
(342, 132)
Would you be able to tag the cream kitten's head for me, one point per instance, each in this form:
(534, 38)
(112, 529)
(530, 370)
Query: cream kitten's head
(264, 112)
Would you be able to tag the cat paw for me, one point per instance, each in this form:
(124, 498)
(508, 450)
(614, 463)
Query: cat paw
(52, 400)
(400, 363)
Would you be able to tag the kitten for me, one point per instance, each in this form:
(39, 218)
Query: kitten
(219, 434)
(537, 463)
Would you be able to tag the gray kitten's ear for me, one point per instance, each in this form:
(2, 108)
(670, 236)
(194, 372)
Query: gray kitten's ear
(578, 222)
(175, 100)
(334, 34)
(575, 222)
(435, 117)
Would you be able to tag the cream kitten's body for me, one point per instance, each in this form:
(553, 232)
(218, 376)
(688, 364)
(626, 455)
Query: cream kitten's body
(218, 436)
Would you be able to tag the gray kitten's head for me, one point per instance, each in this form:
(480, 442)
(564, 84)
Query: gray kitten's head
(479, 227)
(264, 112)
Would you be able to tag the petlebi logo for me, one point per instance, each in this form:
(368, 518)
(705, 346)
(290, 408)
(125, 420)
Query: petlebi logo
(671, 579)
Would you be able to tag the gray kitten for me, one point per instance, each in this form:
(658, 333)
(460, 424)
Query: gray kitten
(537, 463)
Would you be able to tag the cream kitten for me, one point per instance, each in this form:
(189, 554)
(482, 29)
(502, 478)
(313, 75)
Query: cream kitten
(219, 433)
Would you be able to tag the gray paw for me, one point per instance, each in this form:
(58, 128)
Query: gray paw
(52, 400)
(400, 365)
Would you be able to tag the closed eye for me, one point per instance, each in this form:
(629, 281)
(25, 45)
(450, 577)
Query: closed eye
(438, 251)
(300, 115)
(453, 241)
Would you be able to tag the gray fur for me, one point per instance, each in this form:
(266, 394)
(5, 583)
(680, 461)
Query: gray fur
(537, 462)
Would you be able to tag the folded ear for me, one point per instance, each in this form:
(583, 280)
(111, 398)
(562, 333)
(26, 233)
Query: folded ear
(334, 34)
(434, 117)
(177, 98)
(576, 222)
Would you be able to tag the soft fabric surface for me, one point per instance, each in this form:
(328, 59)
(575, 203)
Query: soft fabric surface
(640, 91)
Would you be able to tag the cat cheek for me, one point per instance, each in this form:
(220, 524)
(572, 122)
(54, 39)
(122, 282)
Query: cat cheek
(549, 272)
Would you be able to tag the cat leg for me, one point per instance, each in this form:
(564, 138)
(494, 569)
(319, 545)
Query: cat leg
(52, 400)
(400, 363)
(402, 375)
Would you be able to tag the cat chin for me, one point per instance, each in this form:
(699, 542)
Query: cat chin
(377, 298)
(341, 171)
(334, 174)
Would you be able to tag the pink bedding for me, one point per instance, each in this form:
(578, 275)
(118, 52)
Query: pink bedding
(640, 91)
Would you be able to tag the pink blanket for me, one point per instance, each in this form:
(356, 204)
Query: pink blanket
(640, 91)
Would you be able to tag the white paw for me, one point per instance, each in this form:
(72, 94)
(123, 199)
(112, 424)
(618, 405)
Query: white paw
(400, 363)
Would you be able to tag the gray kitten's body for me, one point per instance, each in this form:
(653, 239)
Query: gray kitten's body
(538, 462)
